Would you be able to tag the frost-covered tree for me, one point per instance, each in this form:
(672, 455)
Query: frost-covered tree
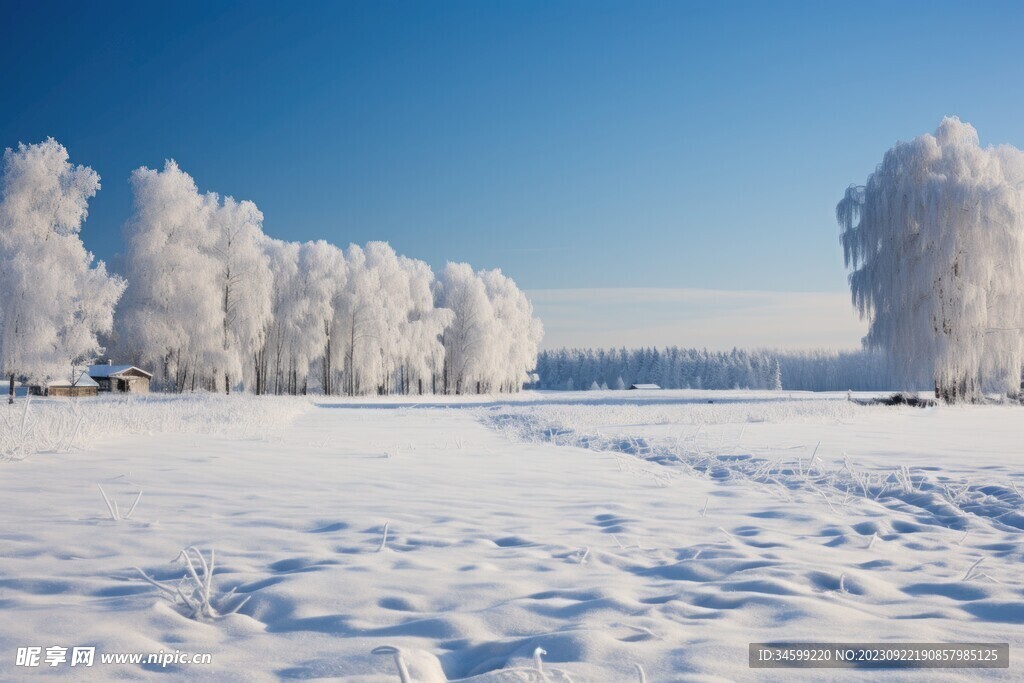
(935, 241)
(491, 343)
(776, 378)
(465, 340)
(244, 282)
(214, 303)
(421, 352)
(169, 319)
(273, 370)
(323, 274)
(53, 300)
(823, 370)
(362, 318)
(516, 336)
(199, 289)
(385, 335)
(307, 279)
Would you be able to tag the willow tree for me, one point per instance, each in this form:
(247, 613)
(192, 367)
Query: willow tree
(935, 243)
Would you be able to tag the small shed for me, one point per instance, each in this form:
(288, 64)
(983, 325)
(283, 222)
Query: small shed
(123, 379)
(644, 386)
(83, 386)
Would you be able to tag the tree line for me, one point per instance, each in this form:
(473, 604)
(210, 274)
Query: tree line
(208, 301)
(688, 368)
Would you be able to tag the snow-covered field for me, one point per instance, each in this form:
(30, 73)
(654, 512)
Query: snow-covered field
(612, 529)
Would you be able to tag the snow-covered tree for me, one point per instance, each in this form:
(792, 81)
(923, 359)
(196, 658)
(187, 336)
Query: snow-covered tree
(824, 370)
(516, 335)
(307, 279)
(362, 318)
(213, 303)
(169, 319)
(385, 335)
(273, 363)
(244, 281)
(53, 300)
(421, 352)
(491, 343)
(935, 241)
(467, 338)
(199, 292)
(322, 276)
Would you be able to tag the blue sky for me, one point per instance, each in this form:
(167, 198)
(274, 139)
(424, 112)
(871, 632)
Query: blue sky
(577, 145)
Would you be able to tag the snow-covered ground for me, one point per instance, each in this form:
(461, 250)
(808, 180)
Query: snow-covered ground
(612, 529)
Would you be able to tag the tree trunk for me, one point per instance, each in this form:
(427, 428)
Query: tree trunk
(350, 358)
(10, 390)
(256, 365)
(962, 390)
(327, 360)
(227, 384)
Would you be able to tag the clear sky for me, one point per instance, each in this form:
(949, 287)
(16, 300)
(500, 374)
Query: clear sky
(586, 146)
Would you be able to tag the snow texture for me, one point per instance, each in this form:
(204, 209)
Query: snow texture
(572, 536)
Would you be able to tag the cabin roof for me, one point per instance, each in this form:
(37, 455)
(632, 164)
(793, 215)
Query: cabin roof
(644, 386)
(107, 371)
(84, 380)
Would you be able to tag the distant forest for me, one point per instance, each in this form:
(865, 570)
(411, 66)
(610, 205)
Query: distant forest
(676, 368)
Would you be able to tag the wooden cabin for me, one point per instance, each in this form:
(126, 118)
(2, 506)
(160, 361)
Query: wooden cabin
(120, 379)
(83, 386)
